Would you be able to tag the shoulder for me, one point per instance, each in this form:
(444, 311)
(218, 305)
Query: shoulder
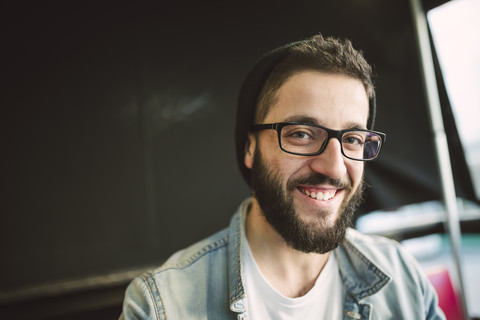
(368, 239)
(375, 247)
(198, 251)
(192, 261)
(181, 280)
(386, 254)
(187, 266)
(407, 280)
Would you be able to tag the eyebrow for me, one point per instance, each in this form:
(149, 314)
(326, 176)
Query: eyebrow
(312, 120)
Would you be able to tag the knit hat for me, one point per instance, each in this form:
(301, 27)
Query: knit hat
(248, 98)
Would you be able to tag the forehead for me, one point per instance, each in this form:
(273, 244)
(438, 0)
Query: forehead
(333, 100)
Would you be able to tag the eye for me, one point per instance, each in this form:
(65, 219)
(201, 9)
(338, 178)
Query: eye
(298, 132)
(296, 135)
(354, 140)
(300, 135)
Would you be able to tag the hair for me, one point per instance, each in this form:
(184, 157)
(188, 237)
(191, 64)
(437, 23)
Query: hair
(259, 90)
(327, 55)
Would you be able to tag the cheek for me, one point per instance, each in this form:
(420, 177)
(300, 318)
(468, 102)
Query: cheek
(281, 164)
(294, 168)
(355, 171)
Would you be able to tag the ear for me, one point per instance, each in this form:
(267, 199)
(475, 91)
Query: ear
(250, 146)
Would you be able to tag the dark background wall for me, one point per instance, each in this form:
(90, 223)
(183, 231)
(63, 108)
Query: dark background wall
(117, 126)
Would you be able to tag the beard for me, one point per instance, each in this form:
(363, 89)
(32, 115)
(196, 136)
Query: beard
(278, 209)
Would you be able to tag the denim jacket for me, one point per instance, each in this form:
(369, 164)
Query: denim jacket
(205, 281)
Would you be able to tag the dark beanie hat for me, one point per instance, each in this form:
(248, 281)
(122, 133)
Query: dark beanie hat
(248, 98)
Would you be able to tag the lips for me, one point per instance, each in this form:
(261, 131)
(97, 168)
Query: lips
(317, 194)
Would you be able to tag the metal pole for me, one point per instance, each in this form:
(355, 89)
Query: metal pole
(452, 223)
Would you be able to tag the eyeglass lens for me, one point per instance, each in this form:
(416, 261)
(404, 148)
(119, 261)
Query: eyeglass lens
(305, 139)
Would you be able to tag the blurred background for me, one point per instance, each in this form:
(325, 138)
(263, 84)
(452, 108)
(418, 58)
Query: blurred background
(117, 136)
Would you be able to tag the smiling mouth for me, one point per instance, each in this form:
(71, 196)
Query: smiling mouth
(318, 195)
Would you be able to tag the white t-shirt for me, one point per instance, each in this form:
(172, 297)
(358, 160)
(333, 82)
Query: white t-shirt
(323, 301)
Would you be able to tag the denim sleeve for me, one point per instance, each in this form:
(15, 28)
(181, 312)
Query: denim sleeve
(139, 301)
(430, 296)
(432, 309)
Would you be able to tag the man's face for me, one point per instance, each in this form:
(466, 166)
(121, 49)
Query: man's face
(283, 183)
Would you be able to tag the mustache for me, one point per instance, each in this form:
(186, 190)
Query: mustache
(318, 178)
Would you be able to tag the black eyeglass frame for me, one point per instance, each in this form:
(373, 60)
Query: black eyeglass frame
(338, 134)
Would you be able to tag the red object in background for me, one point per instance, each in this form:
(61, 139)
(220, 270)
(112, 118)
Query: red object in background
(448, 299)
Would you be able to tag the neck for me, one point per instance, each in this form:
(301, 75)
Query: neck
(293, 273)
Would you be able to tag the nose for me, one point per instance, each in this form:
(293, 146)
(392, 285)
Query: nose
(331, 161)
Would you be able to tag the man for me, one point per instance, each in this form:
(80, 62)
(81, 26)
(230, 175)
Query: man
(303, 134)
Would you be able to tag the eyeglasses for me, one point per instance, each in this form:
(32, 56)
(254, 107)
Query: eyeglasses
(306, 139)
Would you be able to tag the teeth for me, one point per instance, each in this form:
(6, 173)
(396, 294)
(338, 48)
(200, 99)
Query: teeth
(319, 195)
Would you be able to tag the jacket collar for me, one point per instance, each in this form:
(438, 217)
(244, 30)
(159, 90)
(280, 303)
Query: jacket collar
(235, 272)
(360, 275)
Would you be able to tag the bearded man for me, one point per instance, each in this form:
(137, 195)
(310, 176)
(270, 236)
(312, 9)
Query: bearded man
(303, 134)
